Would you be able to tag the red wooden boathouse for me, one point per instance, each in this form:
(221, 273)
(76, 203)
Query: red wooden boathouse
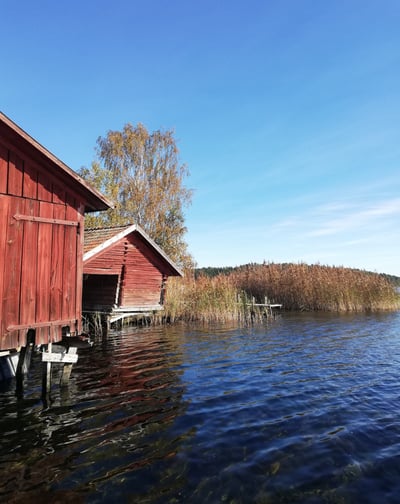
(125, 272)
(42, 206)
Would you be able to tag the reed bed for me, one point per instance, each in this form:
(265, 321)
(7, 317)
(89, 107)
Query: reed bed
(204, 299)
(298, 287)
(317, 287)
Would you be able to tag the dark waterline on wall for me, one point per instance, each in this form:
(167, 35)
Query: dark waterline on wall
(305, 409)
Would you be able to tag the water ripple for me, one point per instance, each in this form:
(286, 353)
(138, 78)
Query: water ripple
(305, 409)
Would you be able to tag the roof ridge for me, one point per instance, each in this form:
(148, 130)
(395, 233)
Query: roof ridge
(108, 227)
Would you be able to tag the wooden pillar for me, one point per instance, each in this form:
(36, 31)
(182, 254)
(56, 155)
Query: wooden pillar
(22, 368)
(24, 361)
(46, 379)
(105, 324)
(67, 368)
(64, 358)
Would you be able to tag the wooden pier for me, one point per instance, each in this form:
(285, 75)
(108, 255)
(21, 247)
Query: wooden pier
(64, 356)
(267, 307)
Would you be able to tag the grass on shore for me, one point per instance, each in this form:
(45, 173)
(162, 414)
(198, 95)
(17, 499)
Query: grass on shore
(298, 287)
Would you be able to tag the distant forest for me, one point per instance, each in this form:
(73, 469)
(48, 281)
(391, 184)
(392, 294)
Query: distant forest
(212, 271)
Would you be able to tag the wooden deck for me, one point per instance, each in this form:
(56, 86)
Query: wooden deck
(267, 305)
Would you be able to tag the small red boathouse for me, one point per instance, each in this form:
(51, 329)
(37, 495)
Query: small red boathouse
(125, 272)
(42, 206)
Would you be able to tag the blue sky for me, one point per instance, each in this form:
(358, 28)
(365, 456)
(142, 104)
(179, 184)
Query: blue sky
(286, 112)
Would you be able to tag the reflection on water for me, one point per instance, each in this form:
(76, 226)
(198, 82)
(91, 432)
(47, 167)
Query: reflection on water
(305, 409)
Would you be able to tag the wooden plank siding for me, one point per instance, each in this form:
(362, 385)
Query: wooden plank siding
(142, 279)
(124, 270)
(44, 265)
(102, 278)
(29, 299)
(12, 270)
(79, 265)
(69, 266)
(42, 205)
(3, 169)
(4, 213)
(15, 174)
(30, 183)
(57, 259)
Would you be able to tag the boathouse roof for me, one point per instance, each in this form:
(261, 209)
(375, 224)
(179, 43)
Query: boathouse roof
(93, 198)
(99, 239)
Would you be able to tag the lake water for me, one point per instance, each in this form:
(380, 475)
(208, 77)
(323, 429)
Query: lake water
(304, 409)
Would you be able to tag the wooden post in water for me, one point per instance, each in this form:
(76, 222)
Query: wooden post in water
(67, 368)
(22, 368)
(268, 307)
(66, 358)
(24, 361)
(105, 324)
(46, 379)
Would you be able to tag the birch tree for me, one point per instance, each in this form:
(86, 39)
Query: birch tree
(141, 173)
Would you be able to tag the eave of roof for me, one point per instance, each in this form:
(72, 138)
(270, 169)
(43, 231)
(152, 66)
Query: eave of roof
(94, 199)
(121, 232)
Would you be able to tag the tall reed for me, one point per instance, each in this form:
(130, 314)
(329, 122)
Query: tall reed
(317, 287)
(204, 299)
(298, 287)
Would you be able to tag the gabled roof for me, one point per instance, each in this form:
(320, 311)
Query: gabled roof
(99, 239)
(93, 198)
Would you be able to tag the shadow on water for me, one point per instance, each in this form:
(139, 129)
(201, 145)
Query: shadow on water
(305, 409)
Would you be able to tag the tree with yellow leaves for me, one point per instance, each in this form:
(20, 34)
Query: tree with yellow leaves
(141, 173)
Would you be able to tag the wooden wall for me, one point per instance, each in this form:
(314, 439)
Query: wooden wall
(41, 222)
(140, 270)
(142, 279)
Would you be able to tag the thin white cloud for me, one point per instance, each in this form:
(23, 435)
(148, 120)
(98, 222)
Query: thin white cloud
(351, 220)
